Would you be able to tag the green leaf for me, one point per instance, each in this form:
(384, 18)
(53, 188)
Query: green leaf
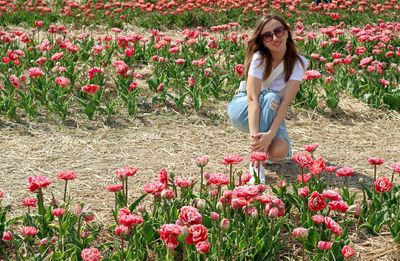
(136, 202)
(332, 102)
(89, 110)
(153, 83)
(312, 103)
(393, 100)
(148, 232)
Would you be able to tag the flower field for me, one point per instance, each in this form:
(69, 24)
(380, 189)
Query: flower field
(60, 70)
(148, 190)
(220, 217)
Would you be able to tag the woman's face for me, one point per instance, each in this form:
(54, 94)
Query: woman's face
(274, 36)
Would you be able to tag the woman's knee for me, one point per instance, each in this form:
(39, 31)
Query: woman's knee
(278, 150)
(271, 101)
(237, 113)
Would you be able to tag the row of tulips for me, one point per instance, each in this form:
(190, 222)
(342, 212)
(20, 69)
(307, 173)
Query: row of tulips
(156, 14)
(102, 74)
(222, 217)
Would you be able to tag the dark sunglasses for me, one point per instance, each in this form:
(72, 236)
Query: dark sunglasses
(278, 32)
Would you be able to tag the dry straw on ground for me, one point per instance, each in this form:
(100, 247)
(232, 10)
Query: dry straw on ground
(165, 139)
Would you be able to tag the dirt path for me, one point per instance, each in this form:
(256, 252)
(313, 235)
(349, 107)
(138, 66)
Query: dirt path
(172, 141)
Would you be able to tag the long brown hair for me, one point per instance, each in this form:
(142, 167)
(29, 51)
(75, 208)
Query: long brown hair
(256, 44)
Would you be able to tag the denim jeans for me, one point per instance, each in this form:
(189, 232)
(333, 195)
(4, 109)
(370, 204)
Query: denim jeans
(238, 114)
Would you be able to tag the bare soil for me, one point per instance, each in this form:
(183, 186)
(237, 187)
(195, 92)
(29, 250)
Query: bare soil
(166, 139)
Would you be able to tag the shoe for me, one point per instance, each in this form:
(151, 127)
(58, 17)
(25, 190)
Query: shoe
(253, 170)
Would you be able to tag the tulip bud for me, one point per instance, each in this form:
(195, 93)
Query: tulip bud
(44, 241)
(277, 201)
(121, 230)
(179, 223)
(7, 236)
(184, 232)
(53, 239)
(167, 194)
(254, 214)
(142, 208)
(303, 192)
(201, 204)
(281, 183)
(77, 210)
(220, 206)
(224, 224)
(84, 234)
(300, 233)
(213, 193)
(89, 216)
(214, 216)
(273, 212)
(397, 195)
(355, 209)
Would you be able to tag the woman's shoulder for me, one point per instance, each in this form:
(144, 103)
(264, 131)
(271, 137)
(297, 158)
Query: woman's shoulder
(302, 58)
(302, 61)
(257, 55)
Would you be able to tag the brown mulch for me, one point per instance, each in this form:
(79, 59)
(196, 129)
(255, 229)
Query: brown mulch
(165, 139)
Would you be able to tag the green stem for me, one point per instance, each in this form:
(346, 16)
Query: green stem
(26, 250)
(270, 232)
(170, 255)
(220, 245)
(236, 221)
(154, 206)
(61, 234)
(305, 212)
(346, 181)
(116, 205)
(79, 226)
(167, 208)
(201, 182)
(122, 250)
(42, 211)
(392, 179)
(231, 178)
(374, 173)
(65, 190)
(126, 192)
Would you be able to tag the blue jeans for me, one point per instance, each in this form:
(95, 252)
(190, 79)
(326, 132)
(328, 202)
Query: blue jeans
(238, 114)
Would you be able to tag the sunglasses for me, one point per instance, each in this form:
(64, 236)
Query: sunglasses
(278, 32)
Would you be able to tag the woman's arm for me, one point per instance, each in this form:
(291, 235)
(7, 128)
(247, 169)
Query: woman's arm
(253, 92)
(262, 141)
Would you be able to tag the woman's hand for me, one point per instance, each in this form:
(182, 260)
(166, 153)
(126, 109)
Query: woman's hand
(261, 141)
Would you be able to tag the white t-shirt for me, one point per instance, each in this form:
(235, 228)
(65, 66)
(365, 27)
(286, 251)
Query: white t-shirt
(256, 70)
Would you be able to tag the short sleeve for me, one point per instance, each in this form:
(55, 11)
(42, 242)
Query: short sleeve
(256, 69)
(299, 70)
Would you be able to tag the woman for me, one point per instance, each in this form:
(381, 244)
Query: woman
(262, 109)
